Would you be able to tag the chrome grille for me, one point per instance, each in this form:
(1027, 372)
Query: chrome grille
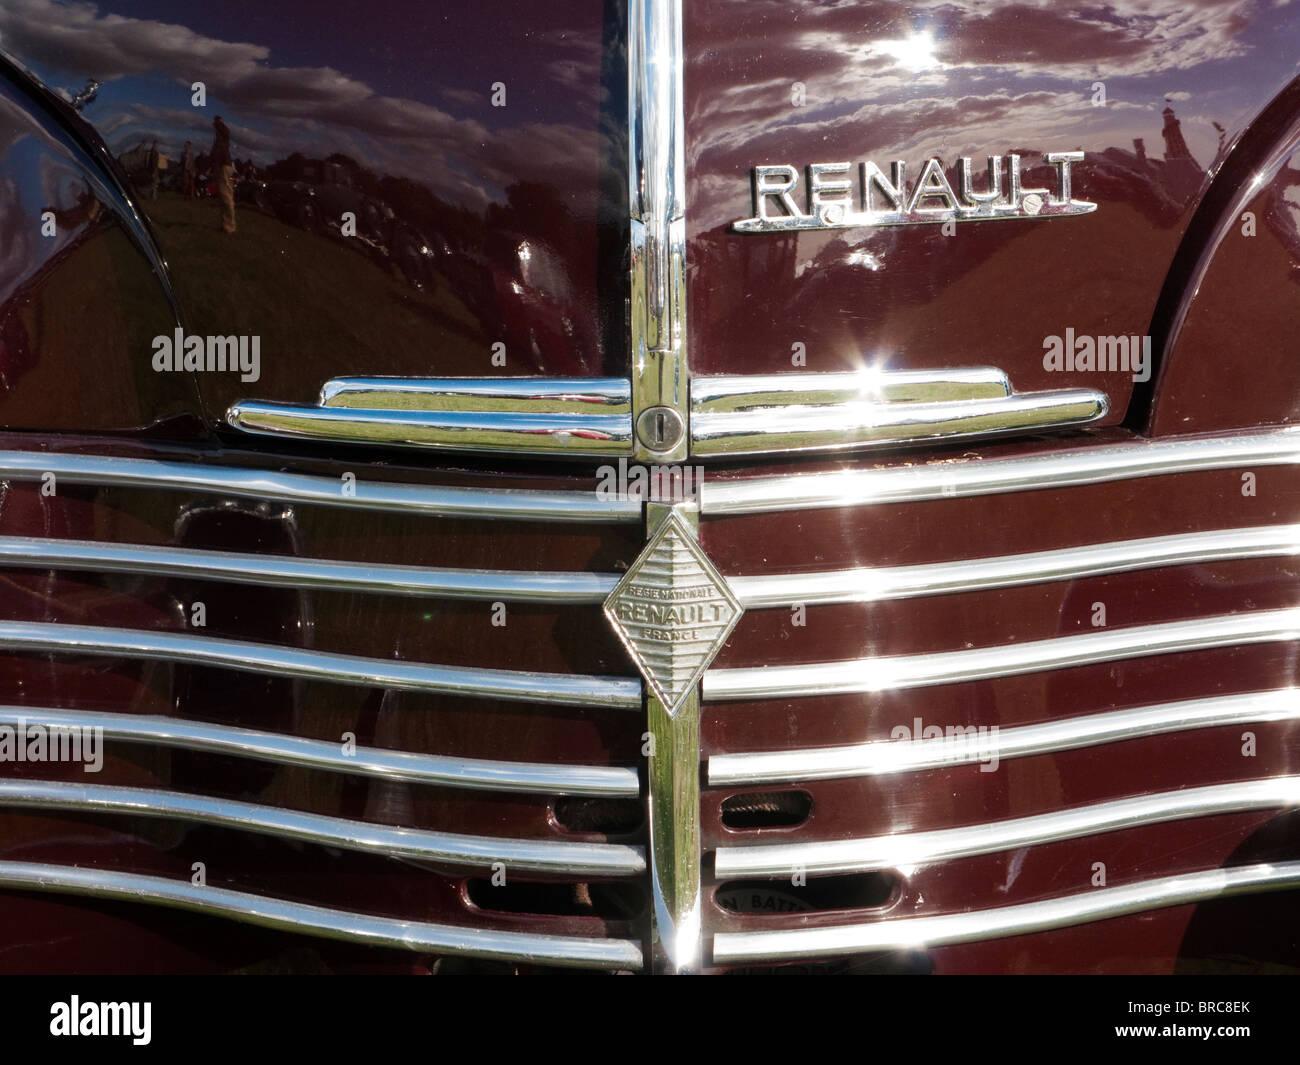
(916, 849)
(443, 851)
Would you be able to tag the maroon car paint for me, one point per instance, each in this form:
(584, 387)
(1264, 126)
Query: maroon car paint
(405, 91)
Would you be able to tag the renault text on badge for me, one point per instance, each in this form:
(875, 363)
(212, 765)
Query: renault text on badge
(844, 195)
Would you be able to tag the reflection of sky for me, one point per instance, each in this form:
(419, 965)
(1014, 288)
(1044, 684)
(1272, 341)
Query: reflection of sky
(392, 84)
(937, 78)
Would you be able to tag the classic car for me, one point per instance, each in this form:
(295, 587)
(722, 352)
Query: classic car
(738, 488)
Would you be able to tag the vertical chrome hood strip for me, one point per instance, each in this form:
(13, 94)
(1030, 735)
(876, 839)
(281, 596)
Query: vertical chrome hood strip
(656, 195)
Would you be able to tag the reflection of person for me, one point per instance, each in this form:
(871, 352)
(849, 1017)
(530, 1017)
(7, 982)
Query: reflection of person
(187, 171)
(224, 171)
(155, 173)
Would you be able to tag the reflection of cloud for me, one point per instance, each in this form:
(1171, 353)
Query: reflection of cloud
(836, 52)
(300, 107)
(912, 129)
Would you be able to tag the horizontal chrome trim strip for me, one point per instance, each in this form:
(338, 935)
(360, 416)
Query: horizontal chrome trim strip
(908, 849)
(971, 477)
(550, 857)
(724, 394)
(911, 933)
(1020, 741)
(470, 773)
(1005, 571)
(784, 429)
(516, 395)
(293, 572)
(285, 916)
(983, 663)
(434, 500)
(500, 432)
(566, 689)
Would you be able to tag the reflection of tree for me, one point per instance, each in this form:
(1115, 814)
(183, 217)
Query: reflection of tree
(1280, 213)
(536, 209)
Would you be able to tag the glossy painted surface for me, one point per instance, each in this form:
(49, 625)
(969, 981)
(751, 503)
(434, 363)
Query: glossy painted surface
(481, 168)
(388, 111)
(802, 83)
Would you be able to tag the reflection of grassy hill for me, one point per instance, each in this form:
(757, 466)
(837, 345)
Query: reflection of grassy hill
(321, 308)
(78, 340)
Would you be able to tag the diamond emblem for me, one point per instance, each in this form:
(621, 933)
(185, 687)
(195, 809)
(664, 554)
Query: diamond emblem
(673, 611)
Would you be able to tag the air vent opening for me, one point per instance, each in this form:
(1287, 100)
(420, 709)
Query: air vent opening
(766, 809)
(903, 963)
(850, 892)
(610, 902)
(611, 816)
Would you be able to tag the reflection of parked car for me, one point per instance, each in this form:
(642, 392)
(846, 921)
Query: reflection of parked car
(534, 302)
(294, 203)
(136, 163)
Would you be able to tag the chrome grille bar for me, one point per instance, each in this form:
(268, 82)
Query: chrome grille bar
(911, 933)
(292, 572)
(966, 575)
(549, 857)
(563, 688)
(502, 432)
(1059, 469)
(909, 849)
(304, 918)
(517, 395)
(1021, 741)
(984, 663)
(447, 501)
(723, 394)
(468, 773)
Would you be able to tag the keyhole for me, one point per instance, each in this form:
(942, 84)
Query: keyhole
(659, 428)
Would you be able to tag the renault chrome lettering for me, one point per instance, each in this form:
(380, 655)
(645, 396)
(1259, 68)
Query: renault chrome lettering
(845, 195)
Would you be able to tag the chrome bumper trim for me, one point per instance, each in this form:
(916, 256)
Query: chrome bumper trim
(499, 432)
(1020, 741)
(566, 689)
(547, 857)
(913, 933)
(726, 394)
(468, 773)
(973, 477)
(984, 663)
(785, 429)
(489, 395)
(294, 572)
(909, 849)
(447, 501)
(304, 918)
